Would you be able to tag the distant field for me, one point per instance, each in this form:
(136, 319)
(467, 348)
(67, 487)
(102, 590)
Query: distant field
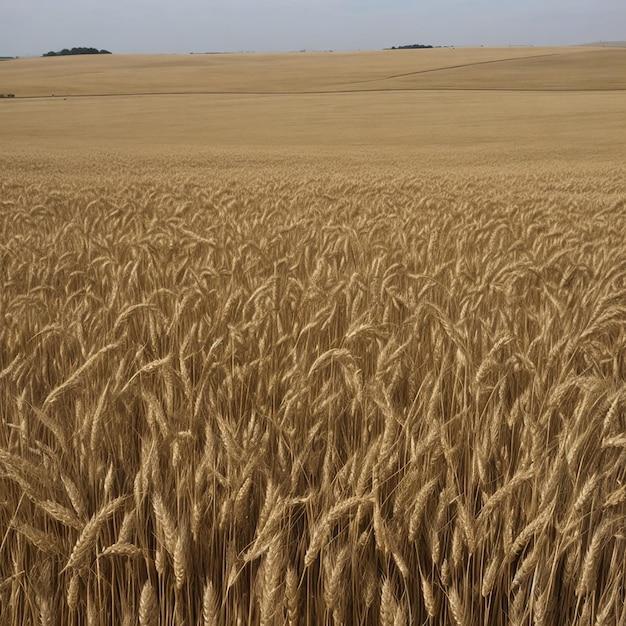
(576, 68)
(440, 106)
(333, 339)
(607, 44)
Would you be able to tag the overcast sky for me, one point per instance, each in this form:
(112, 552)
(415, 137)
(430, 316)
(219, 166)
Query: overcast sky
(32, 27)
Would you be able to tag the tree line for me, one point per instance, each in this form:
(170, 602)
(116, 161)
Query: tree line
(67, 52)
(411, 47)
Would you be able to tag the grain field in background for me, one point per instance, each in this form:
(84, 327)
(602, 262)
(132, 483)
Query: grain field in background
(259, 385)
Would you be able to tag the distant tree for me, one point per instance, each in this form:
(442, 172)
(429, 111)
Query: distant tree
(75, 51)
(415, 46)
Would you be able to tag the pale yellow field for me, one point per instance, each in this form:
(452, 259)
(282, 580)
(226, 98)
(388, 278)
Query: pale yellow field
(446, 106)
(314, 339)
(450, 68)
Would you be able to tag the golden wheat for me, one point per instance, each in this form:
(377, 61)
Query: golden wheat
(272, 391)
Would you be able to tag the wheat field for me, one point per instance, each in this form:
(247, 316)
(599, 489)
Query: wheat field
(314, 339)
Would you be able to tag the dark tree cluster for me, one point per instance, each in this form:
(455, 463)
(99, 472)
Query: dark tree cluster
(410, 47)
(67, 52)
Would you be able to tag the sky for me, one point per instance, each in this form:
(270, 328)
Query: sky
(33, 27)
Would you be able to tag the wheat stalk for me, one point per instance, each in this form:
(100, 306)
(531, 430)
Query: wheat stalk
(84, 546)
(148, 606)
